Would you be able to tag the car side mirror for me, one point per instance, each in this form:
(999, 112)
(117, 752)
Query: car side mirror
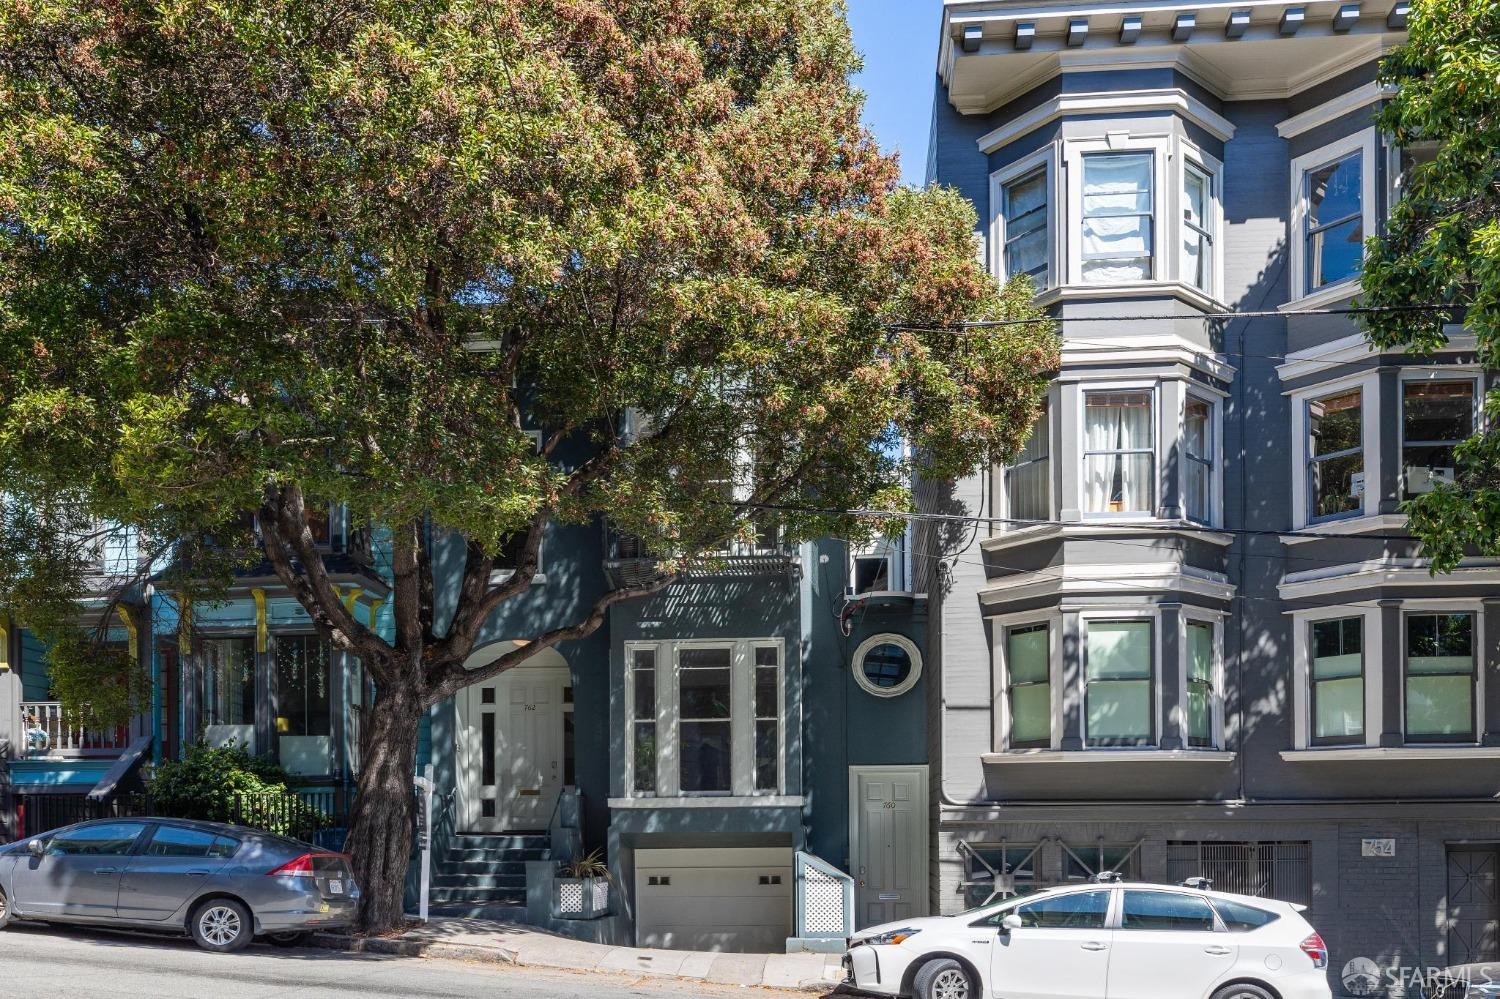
(36, 848)
(1011, 921)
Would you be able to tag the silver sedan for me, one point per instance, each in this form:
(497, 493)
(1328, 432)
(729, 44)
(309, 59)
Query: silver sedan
(223, 885)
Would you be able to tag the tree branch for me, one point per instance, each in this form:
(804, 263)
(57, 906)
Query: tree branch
(448, 676)
(406, 598)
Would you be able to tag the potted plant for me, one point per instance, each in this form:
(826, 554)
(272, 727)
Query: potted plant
(581, 889)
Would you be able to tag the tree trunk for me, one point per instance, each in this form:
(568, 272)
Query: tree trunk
(382, 821)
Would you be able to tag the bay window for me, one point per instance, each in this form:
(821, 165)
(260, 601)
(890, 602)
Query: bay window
(1116, 218)
(1119, 457)
(704, 718)
(1028, 480)
(120, 550)
(1440, 678)
(1198, 459)
(1197, 227)
(1436, 416)
(1119, 695)
(1027, 240)
(1029, 686)
(1338, 681)
(1335, 455)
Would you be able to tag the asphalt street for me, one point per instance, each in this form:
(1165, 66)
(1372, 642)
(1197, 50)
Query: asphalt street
(53, 963)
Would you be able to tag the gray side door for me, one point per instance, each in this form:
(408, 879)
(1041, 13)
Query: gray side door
(79, 876)
(888, 848)
(169, 870)
(1473, 906)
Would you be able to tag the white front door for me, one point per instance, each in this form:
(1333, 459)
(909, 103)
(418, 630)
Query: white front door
(888, 843)
(514, 750)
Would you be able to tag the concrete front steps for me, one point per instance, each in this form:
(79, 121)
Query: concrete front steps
(480, 874)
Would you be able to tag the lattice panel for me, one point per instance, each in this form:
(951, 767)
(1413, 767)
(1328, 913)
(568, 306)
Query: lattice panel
(570, 897)
(822, 902)
(601, 895)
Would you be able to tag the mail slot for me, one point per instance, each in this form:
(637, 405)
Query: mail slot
(531, 792)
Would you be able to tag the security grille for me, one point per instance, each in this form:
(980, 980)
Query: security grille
(1279, 870)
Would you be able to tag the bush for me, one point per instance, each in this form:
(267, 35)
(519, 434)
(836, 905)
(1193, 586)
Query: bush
(228, 784)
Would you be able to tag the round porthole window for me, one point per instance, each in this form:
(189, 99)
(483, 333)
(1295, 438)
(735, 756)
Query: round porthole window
(887, 665)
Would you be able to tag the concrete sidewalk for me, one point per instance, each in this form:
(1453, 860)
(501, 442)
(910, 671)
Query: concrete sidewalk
(487, 940)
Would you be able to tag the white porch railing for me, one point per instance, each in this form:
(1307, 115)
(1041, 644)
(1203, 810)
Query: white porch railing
(825, 900)
(44, 731)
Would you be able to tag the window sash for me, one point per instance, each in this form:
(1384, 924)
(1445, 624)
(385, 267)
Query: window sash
(1115, 474)
(1199, 464)
(1315, 230)
(1199, 225)
(1114, 218)
(1425, 454)
(1028, 482)
(1022, 227)
(1322, 503)
(1430, 679)
(1028, 661)
(1113, 681)
(1200, 673)
(1340, 688)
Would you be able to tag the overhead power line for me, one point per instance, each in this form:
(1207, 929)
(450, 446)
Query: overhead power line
(1177, 317)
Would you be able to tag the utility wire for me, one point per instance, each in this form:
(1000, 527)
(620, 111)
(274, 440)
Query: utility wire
(1349, 310)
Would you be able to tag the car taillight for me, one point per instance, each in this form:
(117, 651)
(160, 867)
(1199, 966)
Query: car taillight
(302, 867)
(1315, 948)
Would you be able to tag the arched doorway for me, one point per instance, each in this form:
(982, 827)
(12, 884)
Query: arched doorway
(511, 743)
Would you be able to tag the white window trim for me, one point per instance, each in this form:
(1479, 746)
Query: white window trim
(741, 718)
(857, 664)
(1159, 442)
(1451, 373)
(1162, 180)
(1215, 620)
(1440, 606)
(1373, 648)
(1369, 386)
(1188, 153)
(1135, 613)
(1001, 668)
(1045, 159)
(1363, 142)
(1216, 447)
(498, 576)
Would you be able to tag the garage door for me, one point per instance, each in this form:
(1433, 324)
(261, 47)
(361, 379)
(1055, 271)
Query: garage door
(727, 900)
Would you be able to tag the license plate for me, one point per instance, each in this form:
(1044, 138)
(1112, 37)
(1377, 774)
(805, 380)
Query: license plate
(336, 887)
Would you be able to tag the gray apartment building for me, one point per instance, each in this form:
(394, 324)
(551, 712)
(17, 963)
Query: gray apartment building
(1193, 637)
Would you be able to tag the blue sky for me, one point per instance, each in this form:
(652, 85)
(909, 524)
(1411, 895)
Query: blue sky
(899, 41)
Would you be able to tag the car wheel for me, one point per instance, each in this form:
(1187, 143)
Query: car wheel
(222, 925)
(944, 979)
(292, 938)
(1243, 990)
(4, 910)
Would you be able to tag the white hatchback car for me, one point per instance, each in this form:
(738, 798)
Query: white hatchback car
(1099, 941)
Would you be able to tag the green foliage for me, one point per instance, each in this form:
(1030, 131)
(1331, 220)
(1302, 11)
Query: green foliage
(99, 684)
(1442, 241)
(228, 784)
(591, 866)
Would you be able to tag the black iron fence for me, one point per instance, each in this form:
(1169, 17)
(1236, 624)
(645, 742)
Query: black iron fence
(314, 814)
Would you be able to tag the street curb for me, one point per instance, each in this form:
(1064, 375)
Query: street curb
(396, 947)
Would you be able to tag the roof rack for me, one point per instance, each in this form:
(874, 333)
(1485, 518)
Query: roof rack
(1200, 883)
(1106, 878)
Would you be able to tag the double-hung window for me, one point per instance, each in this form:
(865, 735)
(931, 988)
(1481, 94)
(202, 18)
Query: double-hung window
(1027, 242)
(228, 666)
(1028, 480)
(1197, 227)
(1028, 661)
(1202, 684)
(1120, 698)
(1338, 681)
(304, 704)
(1198, 459)
(1335, 455)
(767, 718)
(1440, 675)
(643, 719)
(1119, 453)
(121, 550)
(1436, 416)
(1116, 220)
(1333, 221)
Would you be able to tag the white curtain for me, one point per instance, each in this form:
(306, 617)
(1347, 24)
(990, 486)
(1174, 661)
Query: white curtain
(1115, 480)
(1117, 207)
